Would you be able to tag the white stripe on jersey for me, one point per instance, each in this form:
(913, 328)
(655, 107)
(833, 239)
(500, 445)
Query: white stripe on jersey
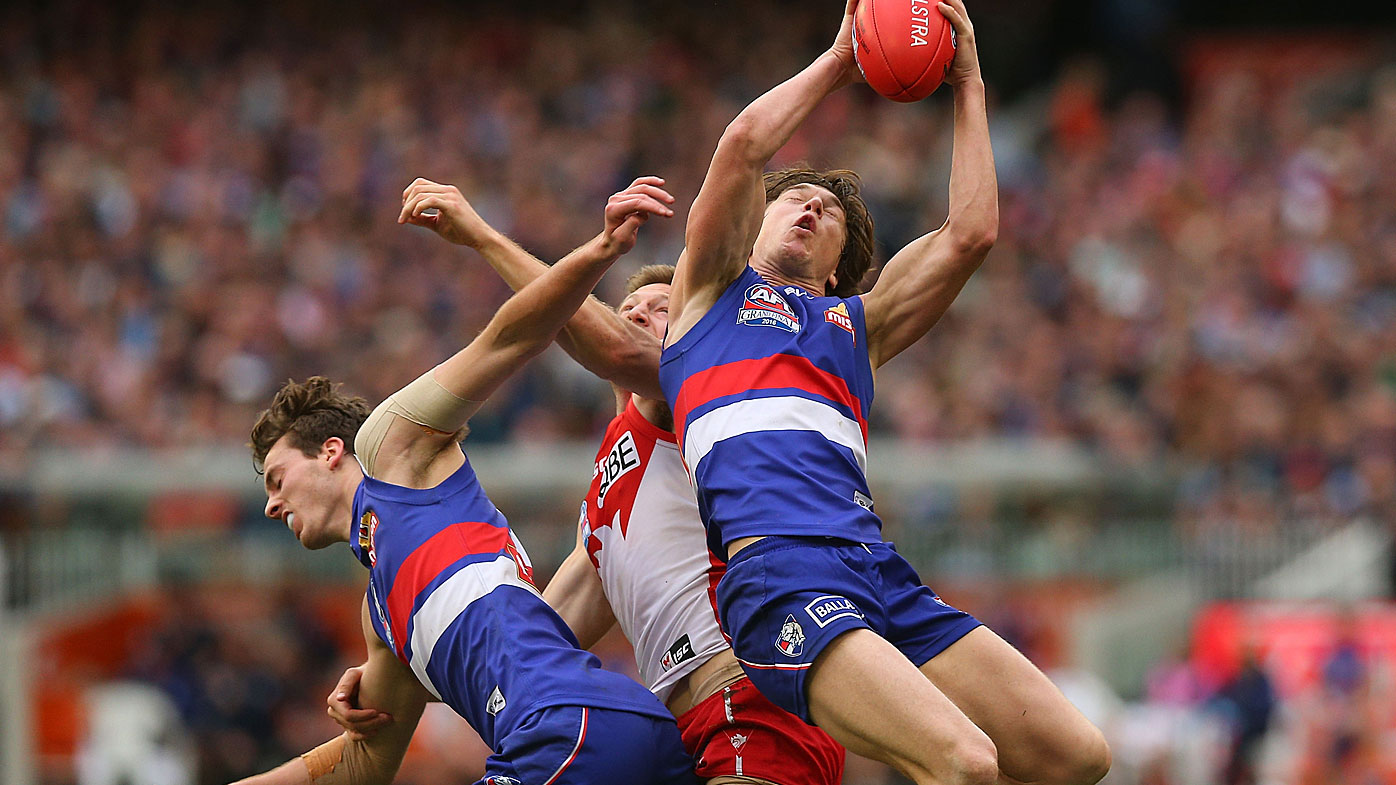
(450, 599)
(781, 413)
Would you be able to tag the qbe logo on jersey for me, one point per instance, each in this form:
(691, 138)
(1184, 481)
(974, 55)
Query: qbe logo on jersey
(765, 307)
(622, 458)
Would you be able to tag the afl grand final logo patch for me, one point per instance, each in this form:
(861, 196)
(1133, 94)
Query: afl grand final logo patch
(368, 529)
(764, 306)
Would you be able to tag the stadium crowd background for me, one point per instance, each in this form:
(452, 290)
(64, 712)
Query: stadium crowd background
(1196, 265)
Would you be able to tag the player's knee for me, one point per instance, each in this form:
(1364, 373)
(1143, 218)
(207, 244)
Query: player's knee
(1086, 763)
(974, 761)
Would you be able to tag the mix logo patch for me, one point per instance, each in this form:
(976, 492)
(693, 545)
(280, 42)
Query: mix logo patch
(621, 459)
(824, 610)
(681, 651)
(838, 316)
(368, 529)
(765, 307)
(791, 640)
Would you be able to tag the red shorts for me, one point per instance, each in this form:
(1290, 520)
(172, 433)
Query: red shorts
(736, 731)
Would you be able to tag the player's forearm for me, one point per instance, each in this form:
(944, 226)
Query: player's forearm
(532, 318)
(768, 122)
(596, 337)
(973, 219)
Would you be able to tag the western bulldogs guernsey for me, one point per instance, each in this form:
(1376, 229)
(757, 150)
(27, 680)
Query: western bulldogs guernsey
(450, 592)
(770, 392)
(640, 526)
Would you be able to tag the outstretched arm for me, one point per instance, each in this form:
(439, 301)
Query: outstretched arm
(597, 338)
(918, 284)
(726, 215)
(388, 685)
(405, 440)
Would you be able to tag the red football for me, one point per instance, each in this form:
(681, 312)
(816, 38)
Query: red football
(903, 47)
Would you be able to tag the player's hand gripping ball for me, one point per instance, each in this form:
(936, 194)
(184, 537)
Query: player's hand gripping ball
(903, 47)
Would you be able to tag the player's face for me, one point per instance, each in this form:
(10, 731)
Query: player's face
(302, 493)
(648, 307)
(804, 227)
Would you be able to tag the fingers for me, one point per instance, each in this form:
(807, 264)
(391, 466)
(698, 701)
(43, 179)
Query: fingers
(419, 203)
(421, 188)
(421, 184)
(360, 723)
(616, 209)
(648, 179)
(659, 194)
(954, 10)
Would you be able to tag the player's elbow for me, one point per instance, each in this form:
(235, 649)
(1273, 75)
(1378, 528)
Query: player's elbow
(741, 142)
(974, 238)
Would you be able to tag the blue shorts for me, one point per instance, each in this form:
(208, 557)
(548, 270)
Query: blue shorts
(570, 745)
(783, 599)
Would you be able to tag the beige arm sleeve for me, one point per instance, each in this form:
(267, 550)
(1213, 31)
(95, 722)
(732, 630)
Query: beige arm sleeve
(424, 402)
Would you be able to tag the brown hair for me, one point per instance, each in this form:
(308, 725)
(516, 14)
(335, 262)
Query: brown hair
(650, 273)
(310, 412)
(858, 246)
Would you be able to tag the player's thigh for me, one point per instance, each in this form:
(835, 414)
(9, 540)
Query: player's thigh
(1040, 735)
(871, 699)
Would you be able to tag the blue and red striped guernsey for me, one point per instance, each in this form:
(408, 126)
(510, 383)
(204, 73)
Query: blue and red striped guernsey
(770, 392)
(451, 593)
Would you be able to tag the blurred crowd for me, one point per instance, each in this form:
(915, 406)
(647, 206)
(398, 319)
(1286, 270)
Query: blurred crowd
(196, 205)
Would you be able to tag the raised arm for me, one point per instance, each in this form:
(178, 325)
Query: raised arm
(405, 440)
(918, 284)
(598, 339)
(726, 215)
(387, 685)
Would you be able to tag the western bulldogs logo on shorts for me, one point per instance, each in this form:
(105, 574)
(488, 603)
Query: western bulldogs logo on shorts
(764, 306)
(824, 610)
(791, 640)
(501, 780)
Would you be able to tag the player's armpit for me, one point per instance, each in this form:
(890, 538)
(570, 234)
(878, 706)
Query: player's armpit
(575, 592)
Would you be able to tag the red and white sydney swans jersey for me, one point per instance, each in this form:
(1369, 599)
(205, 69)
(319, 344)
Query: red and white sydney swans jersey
(641, 529)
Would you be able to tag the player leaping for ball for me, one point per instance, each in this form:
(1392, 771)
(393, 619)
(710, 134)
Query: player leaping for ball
(640, 558)
(768, 369)
(450, 610)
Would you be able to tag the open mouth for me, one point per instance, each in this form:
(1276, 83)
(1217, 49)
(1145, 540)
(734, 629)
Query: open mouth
(291, 523)
(806, 222)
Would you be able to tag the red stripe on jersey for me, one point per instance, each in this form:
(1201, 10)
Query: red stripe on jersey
(446, 547)
(765, 373)
(716, 569)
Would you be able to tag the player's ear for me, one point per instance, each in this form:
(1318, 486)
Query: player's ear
(833, 282)
(333, 451)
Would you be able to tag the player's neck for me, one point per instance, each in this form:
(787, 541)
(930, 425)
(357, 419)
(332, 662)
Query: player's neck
(343, 515)
(780, 278)
(656, 413)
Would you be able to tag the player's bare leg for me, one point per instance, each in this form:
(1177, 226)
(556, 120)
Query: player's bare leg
(871, 699)
(1041, 738)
